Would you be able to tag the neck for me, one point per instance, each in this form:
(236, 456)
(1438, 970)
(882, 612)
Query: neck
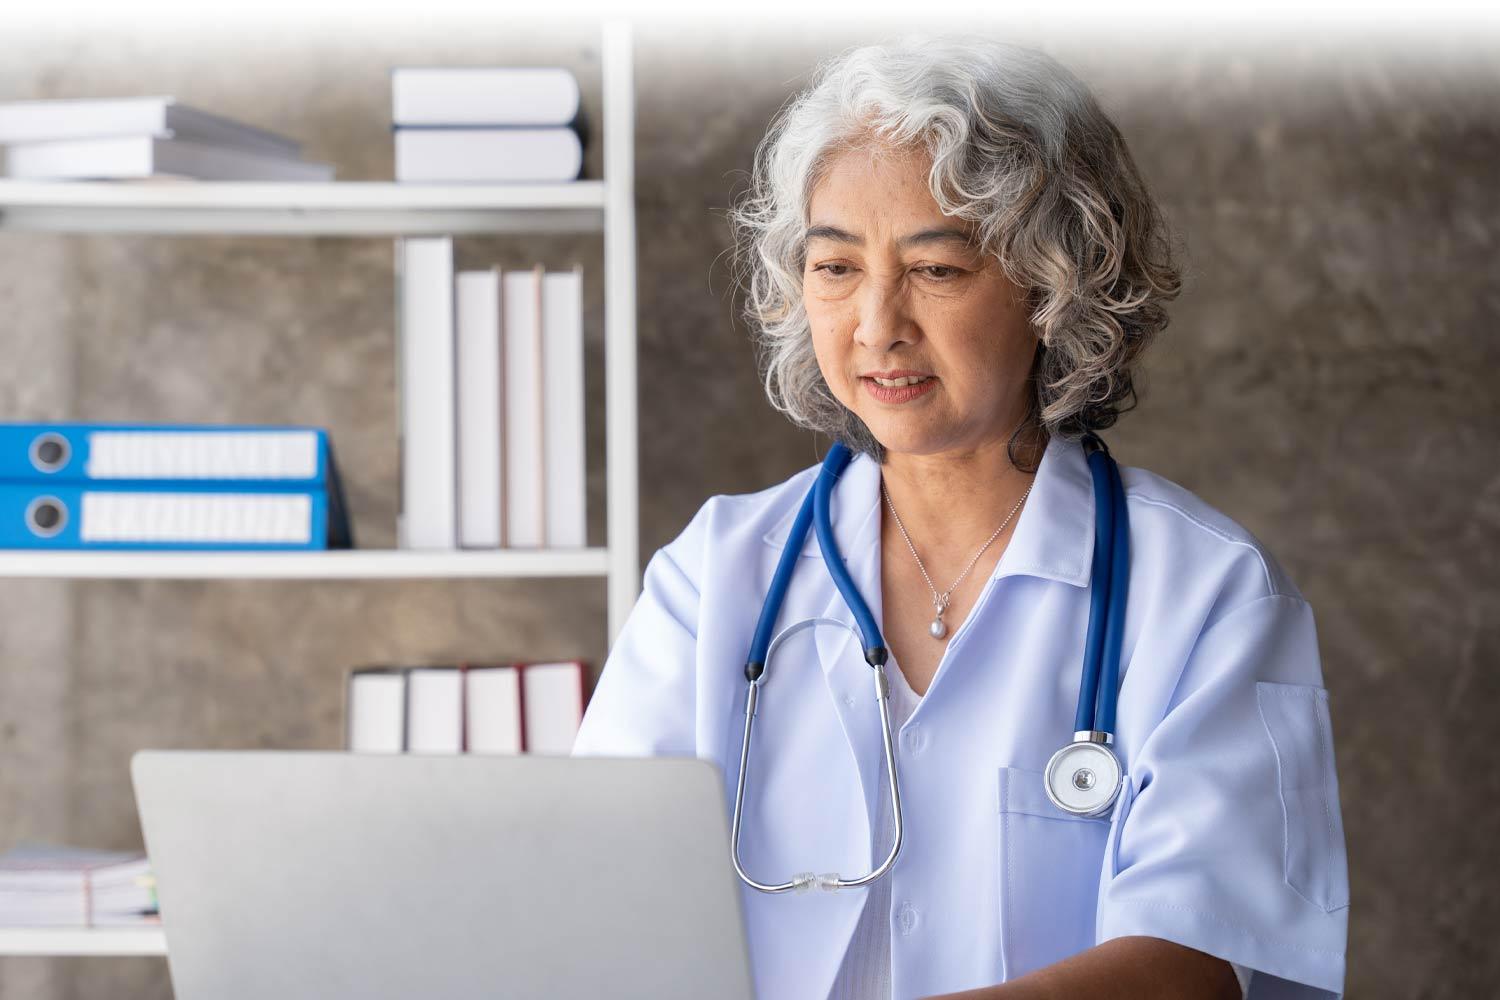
(952, 502)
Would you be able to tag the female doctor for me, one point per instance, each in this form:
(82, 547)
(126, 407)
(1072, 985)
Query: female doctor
(954, 267)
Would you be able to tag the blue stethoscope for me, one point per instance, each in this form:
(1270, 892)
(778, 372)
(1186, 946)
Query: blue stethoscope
(1082, 778)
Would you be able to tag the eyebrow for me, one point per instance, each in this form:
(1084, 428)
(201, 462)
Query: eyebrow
(928, 236)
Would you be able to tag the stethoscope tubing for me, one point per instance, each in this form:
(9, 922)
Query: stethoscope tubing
(1107, 598)
(1098, 689)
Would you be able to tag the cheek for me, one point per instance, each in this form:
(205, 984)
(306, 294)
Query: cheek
(827, 331)
(829, 358)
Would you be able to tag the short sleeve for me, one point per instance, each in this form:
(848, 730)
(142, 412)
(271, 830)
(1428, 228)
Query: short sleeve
(644, 702)
(1228, 837)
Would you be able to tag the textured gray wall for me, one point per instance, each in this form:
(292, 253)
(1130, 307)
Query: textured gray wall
(1326, 382)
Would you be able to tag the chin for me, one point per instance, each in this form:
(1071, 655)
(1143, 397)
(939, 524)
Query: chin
(905, 441)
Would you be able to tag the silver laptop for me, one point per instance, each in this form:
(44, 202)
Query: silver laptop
(294, 875)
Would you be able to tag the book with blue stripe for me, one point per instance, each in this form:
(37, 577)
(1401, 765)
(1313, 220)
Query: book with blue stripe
(141, 516)
(79, 452)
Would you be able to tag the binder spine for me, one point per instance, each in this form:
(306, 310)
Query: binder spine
(141, 517)
(293, 457)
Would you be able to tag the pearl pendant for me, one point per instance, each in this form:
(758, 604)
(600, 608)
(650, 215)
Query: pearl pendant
(937, 628)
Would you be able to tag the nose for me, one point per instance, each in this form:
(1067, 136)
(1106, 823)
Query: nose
(884, 320)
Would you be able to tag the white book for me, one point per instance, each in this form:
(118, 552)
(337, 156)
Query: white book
(428, 459)
(483, 95)
(434, 710)
(376, 711)
(520, 301)
(481, 155)
(479, 446)
(98, 118)
(552, 694)
(493, 716)
(562, 392)
(136, 157)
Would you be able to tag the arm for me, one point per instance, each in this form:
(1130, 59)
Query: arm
(643, 704)
(1119, 969)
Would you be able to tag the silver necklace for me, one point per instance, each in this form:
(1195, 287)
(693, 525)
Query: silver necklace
(938, 629)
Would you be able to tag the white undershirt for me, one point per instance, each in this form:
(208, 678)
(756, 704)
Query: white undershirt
(866, 970)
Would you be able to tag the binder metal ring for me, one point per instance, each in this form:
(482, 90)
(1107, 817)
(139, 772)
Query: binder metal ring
(50, 452)
(46, 509)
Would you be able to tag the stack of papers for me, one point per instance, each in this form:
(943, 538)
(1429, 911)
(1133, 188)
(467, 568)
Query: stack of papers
(44, 885)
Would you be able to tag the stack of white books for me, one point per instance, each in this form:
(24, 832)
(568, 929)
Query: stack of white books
(492, 408)
(135, 138)
(506, 708)
(45, 885)
(487, 124)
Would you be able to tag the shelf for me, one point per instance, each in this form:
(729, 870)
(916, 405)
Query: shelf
(336, 208)
(82, 941)
(373, 564)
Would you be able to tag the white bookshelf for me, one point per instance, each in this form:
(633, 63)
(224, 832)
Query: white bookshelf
(370, 209)
(348, 564)
(82, 941)
(336, 208)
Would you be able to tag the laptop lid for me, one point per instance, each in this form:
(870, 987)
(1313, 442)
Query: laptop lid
(332, 875)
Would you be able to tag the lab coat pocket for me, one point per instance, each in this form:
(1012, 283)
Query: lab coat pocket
(1048, 872)
(1314, 860)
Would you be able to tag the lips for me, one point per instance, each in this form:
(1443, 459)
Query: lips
(892, 383)
(899, 393)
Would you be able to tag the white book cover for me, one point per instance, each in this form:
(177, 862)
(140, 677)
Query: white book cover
(552, 694)
(479, 446)
(98, 118)
(428, 446)
(562, 392)
(376, 711)
(483, 155)
(494, 709)
(520, 300)
(137, 157)
(483, 95)
(434, 710)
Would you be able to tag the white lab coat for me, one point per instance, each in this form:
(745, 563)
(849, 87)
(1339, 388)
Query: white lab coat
(1227, 836)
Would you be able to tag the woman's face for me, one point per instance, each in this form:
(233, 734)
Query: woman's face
(891, 286)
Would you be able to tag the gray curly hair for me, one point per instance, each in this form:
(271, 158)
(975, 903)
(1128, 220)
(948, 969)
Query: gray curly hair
(1020, 147)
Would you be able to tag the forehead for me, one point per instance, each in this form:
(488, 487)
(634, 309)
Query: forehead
(878, 191)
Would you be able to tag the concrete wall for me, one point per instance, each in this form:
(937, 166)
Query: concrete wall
(1327, 381)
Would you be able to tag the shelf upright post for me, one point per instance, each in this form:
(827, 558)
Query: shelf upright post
(621, 441)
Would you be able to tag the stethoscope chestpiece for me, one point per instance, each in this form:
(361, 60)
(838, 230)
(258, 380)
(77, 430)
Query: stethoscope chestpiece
(1084, 777)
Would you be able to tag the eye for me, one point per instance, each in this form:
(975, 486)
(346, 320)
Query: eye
(834, 270)
(941, 272)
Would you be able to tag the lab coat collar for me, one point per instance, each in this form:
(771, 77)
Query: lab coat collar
(1053, 537)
